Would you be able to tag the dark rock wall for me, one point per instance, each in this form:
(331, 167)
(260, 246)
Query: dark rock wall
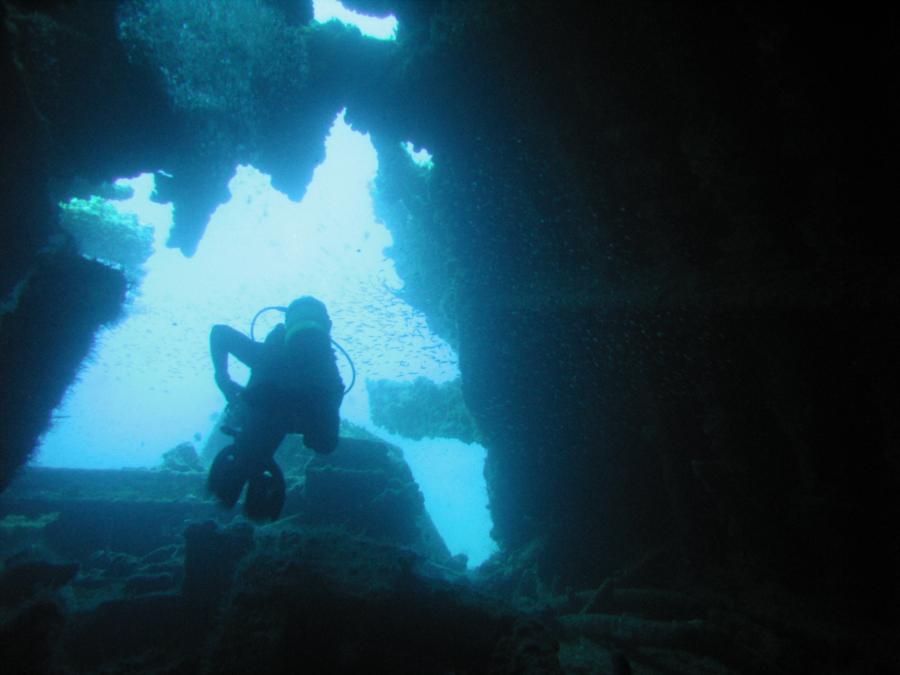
(26, 218)
(43, 342)
(673, 301)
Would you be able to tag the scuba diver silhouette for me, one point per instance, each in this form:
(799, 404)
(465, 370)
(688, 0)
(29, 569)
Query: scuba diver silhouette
(294, 387)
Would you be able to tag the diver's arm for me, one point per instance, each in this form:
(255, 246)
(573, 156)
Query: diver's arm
(225, 340)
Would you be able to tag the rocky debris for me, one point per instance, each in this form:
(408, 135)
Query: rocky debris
(211, 556)
(421, 408)
(23, 580)
(698, 631)
(142, 584)
(182, 458)
(137, 634)
(255, 597)
(347, 602)
(28, 636)
(368, 487)
(528, 648)
(31, 613)
(236, 598)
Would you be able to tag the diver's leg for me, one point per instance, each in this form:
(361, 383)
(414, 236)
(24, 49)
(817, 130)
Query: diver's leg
(265, 481)
(259, 439)
(249, 455)
(321, 426)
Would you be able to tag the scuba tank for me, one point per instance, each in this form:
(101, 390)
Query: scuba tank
(334, 342)
(233, 417)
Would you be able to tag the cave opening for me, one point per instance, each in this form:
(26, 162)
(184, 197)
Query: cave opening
(149, 387)
(380, 28)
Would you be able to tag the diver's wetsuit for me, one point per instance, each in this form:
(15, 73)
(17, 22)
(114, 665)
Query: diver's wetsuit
(294, 387)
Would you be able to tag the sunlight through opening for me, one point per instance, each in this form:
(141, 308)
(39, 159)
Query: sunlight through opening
(370, 26)
(149, 385)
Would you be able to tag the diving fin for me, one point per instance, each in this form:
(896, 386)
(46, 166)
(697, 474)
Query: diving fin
(227, 476)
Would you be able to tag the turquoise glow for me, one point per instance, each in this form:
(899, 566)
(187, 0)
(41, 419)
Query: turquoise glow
(149, 386)
(371, 26)
(420, 157)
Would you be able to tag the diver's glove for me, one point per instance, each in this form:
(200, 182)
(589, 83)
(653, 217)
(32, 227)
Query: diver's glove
(228, 387)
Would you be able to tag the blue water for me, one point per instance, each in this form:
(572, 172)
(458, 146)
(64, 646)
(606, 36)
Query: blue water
(148, 385)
